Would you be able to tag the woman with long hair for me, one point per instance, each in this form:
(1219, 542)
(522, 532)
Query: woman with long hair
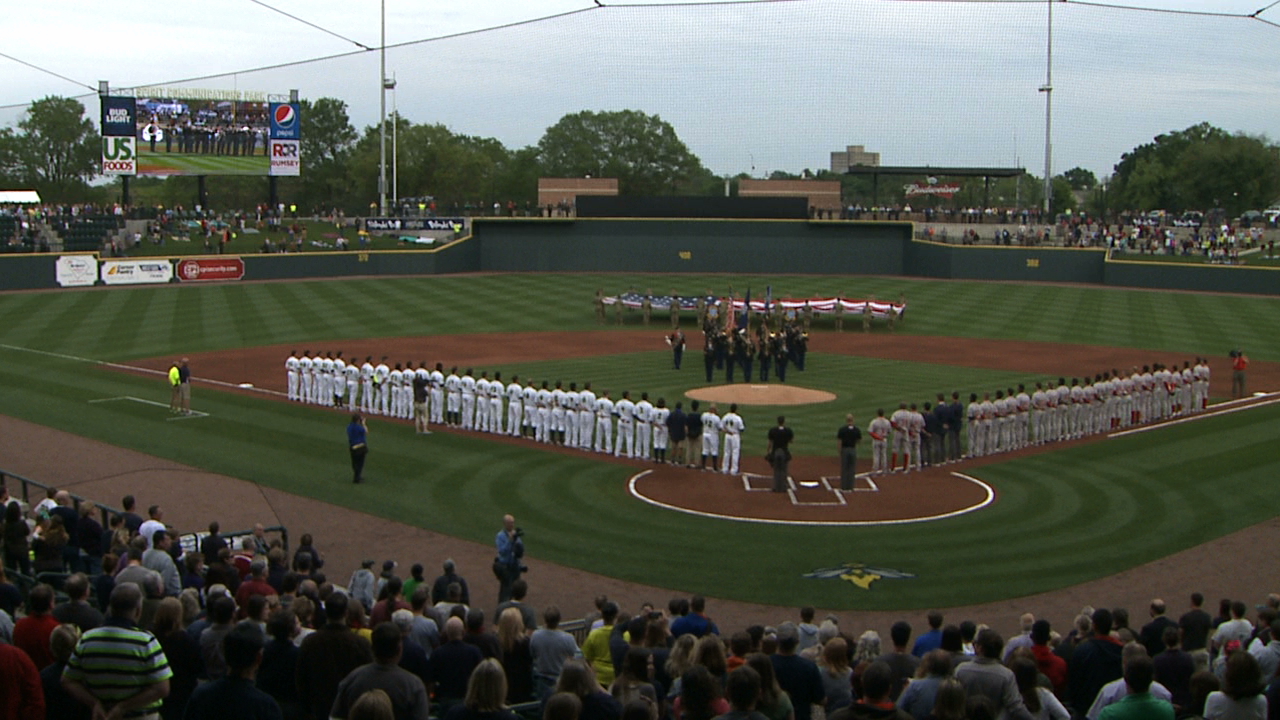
(774, 702)
(678, 660)
(836, 674)
(949, 704)
(562, 706)
(486, 694)
(635, 682)
(17, 540)
(1241, 694)
(701, 696)
(709, 653)
(577, 678)
(372, 705)
(1040, 701)
(517, 660)
(48, 544)
(183, 654)
(865, 652)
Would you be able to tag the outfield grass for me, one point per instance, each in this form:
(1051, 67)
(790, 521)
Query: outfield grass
(1117, 502)
(161, 163)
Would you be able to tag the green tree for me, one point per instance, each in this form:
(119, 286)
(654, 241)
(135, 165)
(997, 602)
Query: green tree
(1199, 168)
(327, 141)
(642, 151)
(1080, 179)
(59, 149)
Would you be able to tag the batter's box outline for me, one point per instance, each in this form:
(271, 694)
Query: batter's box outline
(869, 477)
(766, 482)
(753, 482)
(129, 398)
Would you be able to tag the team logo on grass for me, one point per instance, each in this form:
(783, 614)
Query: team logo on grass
(859, 574)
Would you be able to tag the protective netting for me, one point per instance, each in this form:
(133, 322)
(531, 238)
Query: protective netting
(759, 87)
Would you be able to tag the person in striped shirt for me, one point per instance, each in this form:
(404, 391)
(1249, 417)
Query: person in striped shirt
(119, 669)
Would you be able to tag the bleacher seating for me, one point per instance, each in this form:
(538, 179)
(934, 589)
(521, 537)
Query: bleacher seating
(87, 233)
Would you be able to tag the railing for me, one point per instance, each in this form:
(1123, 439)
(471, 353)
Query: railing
(190, 541)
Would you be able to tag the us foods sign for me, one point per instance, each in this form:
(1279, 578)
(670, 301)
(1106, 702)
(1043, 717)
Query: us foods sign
(947, 190)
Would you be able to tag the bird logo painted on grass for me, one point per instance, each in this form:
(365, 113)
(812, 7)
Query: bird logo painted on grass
(859, 574)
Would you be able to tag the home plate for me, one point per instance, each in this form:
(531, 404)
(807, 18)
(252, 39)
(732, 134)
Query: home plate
(246, 385)
(809, 483)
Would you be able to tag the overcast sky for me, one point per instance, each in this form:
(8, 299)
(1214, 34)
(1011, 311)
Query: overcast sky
(749, 87)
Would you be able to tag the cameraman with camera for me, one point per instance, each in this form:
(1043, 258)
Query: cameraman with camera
(509, 564)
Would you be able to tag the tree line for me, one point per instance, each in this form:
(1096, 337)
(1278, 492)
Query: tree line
(55, 149)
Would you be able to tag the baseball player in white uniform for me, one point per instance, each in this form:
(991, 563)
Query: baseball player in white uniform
(1201, 390)
(572, 398)
(712, 424)
(496, 392)
(604, 423)
(339, 381)
(352, 381)
(291, 375)
(732, 427)
(915, 428)
(586, 416)
(395, 383)
(660, 435)
(467, 383)
(305, 375)
(324, 390)
(515, 404)
(423, 375)
(437, 394)
(880, 429)
(644, 427)
(542, 425)
(626, 412)
(366, 386)
(482, 402)
(453, 396)
(558, 396)
(973, 428)
(530, 403)
(900, 421)
(1022, 426)
(382, 386)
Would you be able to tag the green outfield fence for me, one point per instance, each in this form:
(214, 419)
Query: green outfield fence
(522, 245)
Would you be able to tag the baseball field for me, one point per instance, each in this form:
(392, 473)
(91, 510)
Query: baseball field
(86, 362)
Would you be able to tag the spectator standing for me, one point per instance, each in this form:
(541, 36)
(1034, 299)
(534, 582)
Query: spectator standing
(509, 563)
(118, 667)
(517, 658)
(1095, 662)
(877, 682)
(774, 703)
(519, 590)
(90, 533)
(486, 695)
(1152, 634)
(696, 622)
(183, 655)
(77, 610)
(799, 677)
(358, 444)
(212, 543)
(307, 549)
(21, 693)
(17, 539)
(1174, 668)
(32, 632)
(919, 696)
(276, 675)
(158, 559)
(327, 656)
(451, 665)
(931, 640)
(550, 647)
(132, 520)
(59, 705)
(595, 649)
(900, 660)
(1195, 625)
(408, 694)
(985, 676)
(440, 587)
(235, 696)
(1138, 703)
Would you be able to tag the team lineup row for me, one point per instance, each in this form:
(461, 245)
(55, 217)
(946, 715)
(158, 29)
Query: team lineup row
(550, 414)
(1017, 419)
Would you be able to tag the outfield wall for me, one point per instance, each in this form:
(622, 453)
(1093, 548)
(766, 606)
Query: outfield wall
(757, 247)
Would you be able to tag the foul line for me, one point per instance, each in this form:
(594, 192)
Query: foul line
(189, 416)
(137, 369)
(987, 500)
(1222, 408)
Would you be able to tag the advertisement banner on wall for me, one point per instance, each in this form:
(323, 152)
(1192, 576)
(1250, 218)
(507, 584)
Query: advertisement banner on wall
(119, 156)
(286, 157)
(136, 272)
(210, 269)
(76, 270)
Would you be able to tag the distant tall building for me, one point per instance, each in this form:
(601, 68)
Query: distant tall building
(853, 156)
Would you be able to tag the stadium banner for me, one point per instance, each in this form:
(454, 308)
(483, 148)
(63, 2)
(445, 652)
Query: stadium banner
(200, 131)
(119, 156)
(449, 224)
(210, 269)
(118, 117)
(286, 121)
(76, 270)
(286, 160)
(136, 272)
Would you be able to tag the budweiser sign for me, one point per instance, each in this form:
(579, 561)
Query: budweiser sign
(946, 191)
(210, 269)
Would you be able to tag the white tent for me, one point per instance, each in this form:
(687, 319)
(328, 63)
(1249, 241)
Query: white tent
(23, 197)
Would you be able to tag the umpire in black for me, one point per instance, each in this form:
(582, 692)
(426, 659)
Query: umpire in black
(849, 436)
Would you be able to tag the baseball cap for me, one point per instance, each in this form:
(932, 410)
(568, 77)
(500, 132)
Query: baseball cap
(388, 565)
(788, 631)
(367, 563)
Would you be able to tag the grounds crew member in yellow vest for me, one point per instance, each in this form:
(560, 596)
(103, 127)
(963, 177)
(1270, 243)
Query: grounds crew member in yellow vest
(175, 385)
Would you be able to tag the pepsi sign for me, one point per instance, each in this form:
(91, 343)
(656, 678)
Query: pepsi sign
(285, 122)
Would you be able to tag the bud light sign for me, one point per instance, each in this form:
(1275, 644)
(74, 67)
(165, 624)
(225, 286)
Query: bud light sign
(285, 122)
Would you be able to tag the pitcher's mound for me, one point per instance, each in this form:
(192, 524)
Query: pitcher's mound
(753, 394)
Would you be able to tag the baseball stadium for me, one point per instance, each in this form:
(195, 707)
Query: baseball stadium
(896, 308)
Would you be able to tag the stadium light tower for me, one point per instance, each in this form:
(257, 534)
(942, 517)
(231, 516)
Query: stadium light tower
(382, 94)
(390, 84)
(1047, 89)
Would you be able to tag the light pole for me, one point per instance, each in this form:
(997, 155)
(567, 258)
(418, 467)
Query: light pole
(382, 126)
(390, 84)
(1047, 89)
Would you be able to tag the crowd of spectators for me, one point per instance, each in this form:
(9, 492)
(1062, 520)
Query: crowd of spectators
(236, 627)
